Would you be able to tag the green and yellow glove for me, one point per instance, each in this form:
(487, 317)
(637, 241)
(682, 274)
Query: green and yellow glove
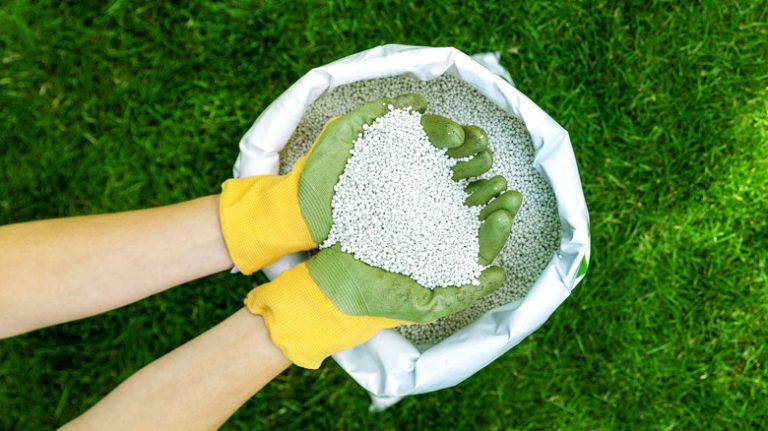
(333, 301)
(266, 217)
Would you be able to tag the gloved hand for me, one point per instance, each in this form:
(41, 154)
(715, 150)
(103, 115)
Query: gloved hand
(333, 301)
(265, 217)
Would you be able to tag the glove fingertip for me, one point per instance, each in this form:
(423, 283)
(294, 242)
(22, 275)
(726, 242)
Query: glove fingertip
(492, 278)
(415, 101)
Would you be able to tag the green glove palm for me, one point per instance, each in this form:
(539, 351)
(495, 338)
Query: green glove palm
(326, 161)
(358, 289)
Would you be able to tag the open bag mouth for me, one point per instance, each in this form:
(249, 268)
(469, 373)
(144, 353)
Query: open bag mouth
(389, 366)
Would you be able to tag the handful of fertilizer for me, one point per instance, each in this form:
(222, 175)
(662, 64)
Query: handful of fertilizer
(402, 202)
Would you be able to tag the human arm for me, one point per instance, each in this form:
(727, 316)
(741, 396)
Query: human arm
(59, 270)
(195, 387)
(55, 271)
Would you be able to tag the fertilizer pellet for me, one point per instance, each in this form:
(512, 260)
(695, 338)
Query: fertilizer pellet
(396, 207)
(536, 231)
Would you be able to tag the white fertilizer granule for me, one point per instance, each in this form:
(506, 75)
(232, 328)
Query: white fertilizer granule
(536, 231)
(396, 207)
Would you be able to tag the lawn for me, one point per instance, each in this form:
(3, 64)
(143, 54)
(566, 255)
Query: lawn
(113, 106)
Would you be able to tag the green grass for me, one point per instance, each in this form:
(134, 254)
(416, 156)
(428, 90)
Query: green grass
(118, 106)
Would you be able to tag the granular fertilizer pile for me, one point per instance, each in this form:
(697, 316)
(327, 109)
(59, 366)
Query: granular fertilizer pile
(396, 207)
(536, 230)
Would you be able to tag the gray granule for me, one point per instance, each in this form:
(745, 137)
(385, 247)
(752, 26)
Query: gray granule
(536, 231)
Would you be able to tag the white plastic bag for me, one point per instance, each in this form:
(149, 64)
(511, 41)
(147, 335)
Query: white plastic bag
(388, 365)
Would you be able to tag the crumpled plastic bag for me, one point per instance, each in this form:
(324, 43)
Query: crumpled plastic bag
(388, 366)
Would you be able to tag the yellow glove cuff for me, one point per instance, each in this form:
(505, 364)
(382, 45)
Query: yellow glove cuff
(261, 219)
(304, 324)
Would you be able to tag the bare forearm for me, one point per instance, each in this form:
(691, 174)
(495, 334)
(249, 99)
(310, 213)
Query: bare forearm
(59, 270)
(195, 387)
